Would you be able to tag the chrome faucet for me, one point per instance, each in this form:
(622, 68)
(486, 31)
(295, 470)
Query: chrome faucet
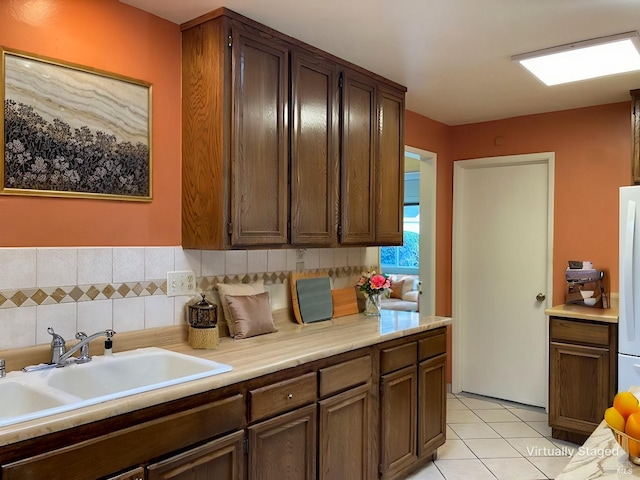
(82, 345)
(2, 370)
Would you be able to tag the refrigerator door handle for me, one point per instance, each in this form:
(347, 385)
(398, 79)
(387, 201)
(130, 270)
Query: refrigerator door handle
(627, 274)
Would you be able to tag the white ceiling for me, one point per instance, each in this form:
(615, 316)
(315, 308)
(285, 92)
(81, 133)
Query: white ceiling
(454, 56)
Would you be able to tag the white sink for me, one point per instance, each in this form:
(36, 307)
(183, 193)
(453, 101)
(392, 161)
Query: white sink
(131, 372)
(30, 395)
(19, 399)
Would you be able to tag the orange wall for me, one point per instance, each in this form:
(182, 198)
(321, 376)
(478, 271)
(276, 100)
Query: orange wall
(592, 160)
(111, 36)
(426, 134)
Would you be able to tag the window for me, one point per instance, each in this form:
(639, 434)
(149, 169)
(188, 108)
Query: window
(405, 259)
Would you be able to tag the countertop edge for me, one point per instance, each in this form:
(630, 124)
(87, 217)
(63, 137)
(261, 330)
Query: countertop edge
(604, 315)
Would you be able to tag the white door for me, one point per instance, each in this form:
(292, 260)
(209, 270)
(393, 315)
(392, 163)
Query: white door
(503, 212)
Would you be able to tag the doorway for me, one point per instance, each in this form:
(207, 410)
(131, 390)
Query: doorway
(420, 219)
(502, 260)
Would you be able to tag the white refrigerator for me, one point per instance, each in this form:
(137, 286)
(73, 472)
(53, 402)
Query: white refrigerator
(629, 289)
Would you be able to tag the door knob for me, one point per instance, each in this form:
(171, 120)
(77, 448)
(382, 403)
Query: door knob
(540, 297)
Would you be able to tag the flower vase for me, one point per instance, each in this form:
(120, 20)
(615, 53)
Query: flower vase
(372, 305)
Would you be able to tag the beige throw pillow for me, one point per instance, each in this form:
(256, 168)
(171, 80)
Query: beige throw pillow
(225, 289)
(396, 289)
(251, 314)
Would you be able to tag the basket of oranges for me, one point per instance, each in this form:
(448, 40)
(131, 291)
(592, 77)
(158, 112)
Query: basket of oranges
(623, 418)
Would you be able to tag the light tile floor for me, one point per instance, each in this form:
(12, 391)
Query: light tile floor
(493, 439)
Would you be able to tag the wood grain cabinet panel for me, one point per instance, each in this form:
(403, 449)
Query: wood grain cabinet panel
(315, 142)
(390, 170)
(345, 435)
(135, 474)
(119, 450)
(398, 421)
(358, 159)
(260, 148)
(582, 375)
(284, 447)
(431, 404)
(221, 459)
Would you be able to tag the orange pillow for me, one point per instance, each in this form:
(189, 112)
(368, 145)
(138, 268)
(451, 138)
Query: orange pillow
(396, 289)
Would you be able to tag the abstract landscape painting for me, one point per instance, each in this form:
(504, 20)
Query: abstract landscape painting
(71, 131)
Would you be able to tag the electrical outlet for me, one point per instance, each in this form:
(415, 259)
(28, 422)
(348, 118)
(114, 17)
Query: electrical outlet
(181, 283)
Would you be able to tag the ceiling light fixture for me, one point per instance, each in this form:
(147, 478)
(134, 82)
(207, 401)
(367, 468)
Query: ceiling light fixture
(582, 60)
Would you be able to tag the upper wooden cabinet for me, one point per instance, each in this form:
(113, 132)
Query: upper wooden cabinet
(315, 154)
(262, 158)
(260, 144)
(635, 121)
(358, 159)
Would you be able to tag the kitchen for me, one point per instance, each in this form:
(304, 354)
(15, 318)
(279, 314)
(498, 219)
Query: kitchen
(591, 143)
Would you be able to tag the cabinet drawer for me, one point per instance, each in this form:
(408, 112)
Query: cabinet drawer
(101, 456)
(344, 375)
(564, 330)
(395, 358)
(432, 346)
(283, 396)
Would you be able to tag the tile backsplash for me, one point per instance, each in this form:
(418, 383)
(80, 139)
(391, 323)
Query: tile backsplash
(124, 288)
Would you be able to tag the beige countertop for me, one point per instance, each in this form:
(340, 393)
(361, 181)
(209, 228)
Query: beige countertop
(605, 315)
(290, 346)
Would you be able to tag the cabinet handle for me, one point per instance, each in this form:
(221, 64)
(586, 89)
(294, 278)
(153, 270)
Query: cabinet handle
(290, 396)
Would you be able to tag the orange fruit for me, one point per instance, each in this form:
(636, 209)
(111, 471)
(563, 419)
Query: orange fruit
(626, 403)
(632, 429)
(614, 419)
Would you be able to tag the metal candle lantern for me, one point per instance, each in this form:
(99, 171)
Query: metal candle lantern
(203, 314)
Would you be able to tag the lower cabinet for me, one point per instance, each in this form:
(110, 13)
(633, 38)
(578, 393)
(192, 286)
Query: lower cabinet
(398, 404)
(325, 419)
(346, 421)
(284, 447)
(412, 403)
(582, 375)
(220, 459)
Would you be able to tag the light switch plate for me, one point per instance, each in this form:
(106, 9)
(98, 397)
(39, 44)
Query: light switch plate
(181, 283)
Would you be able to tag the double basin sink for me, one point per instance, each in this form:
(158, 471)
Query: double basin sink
(37, 394)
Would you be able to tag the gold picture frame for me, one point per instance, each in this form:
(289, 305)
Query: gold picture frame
(73, 131)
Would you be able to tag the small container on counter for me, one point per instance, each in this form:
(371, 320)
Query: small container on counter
(203, 321)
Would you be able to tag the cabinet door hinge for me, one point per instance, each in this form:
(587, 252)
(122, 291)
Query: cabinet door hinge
(245, 445)
(339, 231)
(340, 80)
(379, 469)
(229, 228)
(230, 41)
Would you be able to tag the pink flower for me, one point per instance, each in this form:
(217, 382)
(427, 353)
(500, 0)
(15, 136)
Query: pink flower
(378, 282)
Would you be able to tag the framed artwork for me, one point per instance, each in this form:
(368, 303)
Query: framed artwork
(69, 130)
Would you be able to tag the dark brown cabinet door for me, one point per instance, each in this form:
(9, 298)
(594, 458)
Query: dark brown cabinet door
(398, 418)
(259, 146)
(579, 389)
(284, 447)
(220, 459)
(390, 168)
(345, 436)
(431, 404)
(315, 142)
(135, 474)
(358, 189)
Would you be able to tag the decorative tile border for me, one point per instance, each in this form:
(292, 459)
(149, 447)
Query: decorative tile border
(30, 297)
